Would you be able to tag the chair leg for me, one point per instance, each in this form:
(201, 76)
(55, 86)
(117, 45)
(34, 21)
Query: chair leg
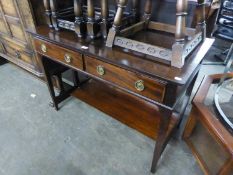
(162, 139)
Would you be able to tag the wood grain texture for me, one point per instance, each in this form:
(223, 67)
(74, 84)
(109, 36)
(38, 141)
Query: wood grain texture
(122, 106)
(153, 110)
(154, 89)
(58, 53)
(16, 18)
(128, 60)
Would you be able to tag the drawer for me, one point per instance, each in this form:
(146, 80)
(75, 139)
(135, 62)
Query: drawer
(142, 85)
(57, 53)
(16, 51)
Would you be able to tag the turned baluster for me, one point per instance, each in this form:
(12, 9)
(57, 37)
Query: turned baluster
(90, 10)
(48, 13)
(181, 13)
(104, 15)
(53, 6)
(179, 45)
(135, 4)
(104, 9)
(78, 9)
(79, 23)
(119, 14)
(147, 11)
(91, 19)
(117, 23)
(201, 24)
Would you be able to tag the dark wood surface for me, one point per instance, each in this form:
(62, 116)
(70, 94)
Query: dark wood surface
(124, 58)
(58, 53)
(121, 106)
(153, 89)
(207, 137)
(154, 110)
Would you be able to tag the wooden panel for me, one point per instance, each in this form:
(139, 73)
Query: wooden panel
(213, 155)
(8, 7)
(18, 52)
(15, 18)
(121, 106)
(17, 31)
(2, 48)
(154, 89)
(58, 54)
(27, 14)
(3, 28)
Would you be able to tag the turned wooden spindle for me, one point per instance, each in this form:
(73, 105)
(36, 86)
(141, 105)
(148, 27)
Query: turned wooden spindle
(178, 47)
(78, 8)
(53, 6)
(135, 4)
(104, 9)
(119, 14)
(104, 15)
(80, 27)
(92, 28)
(148, 7)
(147, 10)
(201, 24)
(90, 10)
(117, 22)
(48, 13)
(181, 13)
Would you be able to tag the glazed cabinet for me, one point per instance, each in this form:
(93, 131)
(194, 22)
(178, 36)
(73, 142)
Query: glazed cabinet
(16, 18)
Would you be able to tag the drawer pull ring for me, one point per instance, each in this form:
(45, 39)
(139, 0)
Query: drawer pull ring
(17, 54)
(100, 70)
(68, 58)
(43, 48)
(139, 85)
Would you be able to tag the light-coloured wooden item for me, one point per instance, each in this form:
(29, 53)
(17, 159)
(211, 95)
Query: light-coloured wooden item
(16, 18)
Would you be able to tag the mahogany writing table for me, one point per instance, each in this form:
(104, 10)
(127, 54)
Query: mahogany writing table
(146, 95)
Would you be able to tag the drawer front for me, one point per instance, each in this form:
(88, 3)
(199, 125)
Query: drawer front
(142, 85)
(71, 58)
(18, 52)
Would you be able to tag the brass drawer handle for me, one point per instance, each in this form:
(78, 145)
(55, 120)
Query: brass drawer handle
(43, 48)
(68, 58)
(139, 85)
(17, 54)
(100, 70)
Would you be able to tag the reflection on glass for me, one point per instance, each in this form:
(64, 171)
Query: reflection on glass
(224, 102)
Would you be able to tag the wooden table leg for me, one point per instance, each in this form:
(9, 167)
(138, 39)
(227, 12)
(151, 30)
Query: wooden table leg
(49, 82)
(163, 137)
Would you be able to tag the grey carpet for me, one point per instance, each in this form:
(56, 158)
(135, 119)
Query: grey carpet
(77, 140)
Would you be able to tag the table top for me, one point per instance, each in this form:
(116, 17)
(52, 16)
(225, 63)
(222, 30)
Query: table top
(129, 60)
